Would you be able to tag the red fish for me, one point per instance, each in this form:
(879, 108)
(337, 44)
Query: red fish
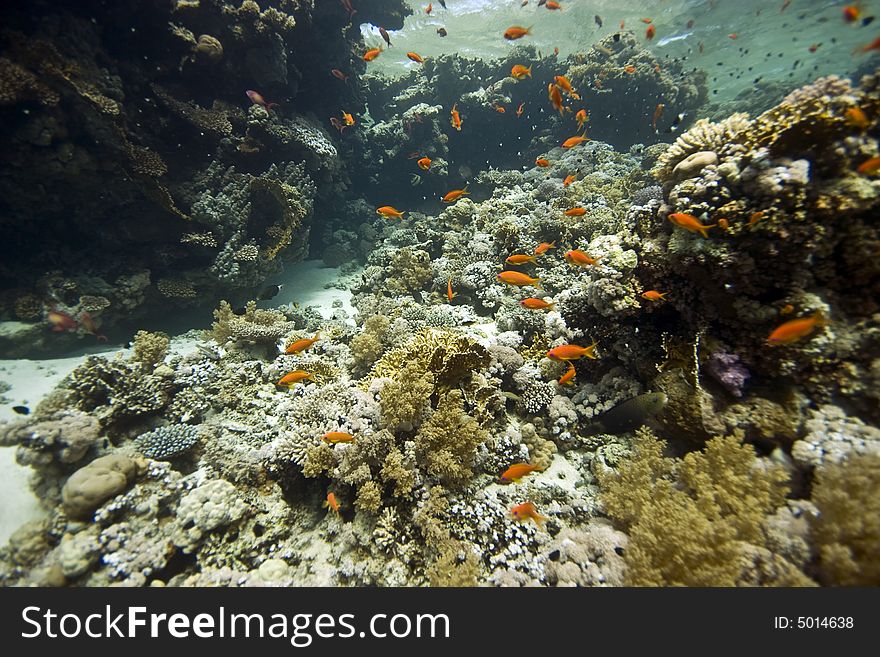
(257, 99)
(61, 321)
(86, 321)
(658, 111)
(527, 511)
(650, 32)
(339, 74)
(517, 471)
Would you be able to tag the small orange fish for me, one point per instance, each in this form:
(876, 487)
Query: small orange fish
(519, 71)
(572, 352)
(581, 118)
(416, 57)
(533, 303)
(723, 223)
(541, 162)
(516, 32)
(499, 108)
(527, 511)
(389, 211)
(650, 32)
(292, 378)
(575, 212)
(658, 112)
(568, 180)
(543, 247)
(302, 345)
(450, 295)
(629, 68)
(332, 504)
(520, 259)
(851, 14)
(787, 309)
(555, 97)
(454, 195)
(756, 217)
(518, 278)
(622, 23)
(732, 35)
(571, 142)
(654, 295)
(568, 377)
(874, 45)
(551, 4)
(429, 7)
(339, 74)
(424, 163)
(334, 437)
(61, 321)
(648, 21)
(856, 117)
(519, 110)
(456, 119)
(563, 83)
(795, 329)
(869, 167)
(517, 471)
(347, 118)
(371, 54)
(690, 223)
(580, 258)
(814, 47)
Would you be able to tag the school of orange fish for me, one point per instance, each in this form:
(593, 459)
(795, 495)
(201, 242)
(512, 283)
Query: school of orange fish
(787, 333)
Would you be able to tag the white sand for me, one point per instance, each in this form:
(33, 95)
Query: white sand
(303, 283)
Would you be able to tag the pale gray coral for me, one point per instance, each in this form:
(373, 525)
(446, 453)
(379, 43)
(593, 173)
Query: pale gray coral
(832, 436)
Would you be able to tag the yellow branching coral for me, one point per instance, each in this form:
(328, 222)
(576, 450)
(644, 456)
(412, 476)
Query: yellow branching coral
(366, 347)
(407, 398)
(447, 443)
(847, 529)
(698, 521)
(150, 348)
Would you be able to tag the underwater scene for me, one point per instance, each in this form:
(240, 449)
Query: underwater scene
(450, 293)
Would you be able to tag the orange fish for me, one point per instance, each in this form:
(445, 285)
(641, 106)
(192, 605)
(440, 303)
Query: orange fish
(520, 259)
(517, 471)
(851, 13)
(371, 54)
(647, 20)
(579, 258)
(389, 211)
(732, 35)
(581, 118)
(622, 23)
(429, 7)
(302, 345)
(516, 32)
(519, 71)
(456, 119)
(629, 68)
(756, 217)
(424, 163)
(332, 504)
(292, 378)
(555, 97)
(795, 329)
(723, 223)
(450, 295)
(527, 511)
(650, 32)
(519, 279)
(454, 195)
(571, 142)
(339, 74)
(533, 303)
(869, 167)
(690, 223)
(658, 111)
(568, 180)
(499, 108)
(787, 309)
(568, 377)
(543, 247)
(572, 352)
(334, 437)
(551, 4)
(416, 57)
(347, 118)
(856, 117)
(874, 45)
(563, 83)
(541, 162)
(519, 110)
(654, 295)
(61, 321)
(575, 212)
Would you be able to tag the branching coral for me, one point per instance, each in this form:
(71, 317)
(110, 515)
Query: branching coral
(698, 521)
(256, 325)
(150, 348)
(447, 443)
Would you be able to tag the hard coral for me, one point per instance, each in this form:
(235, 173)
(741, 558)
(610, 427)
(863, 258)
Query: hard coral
(256, 325)
(446, 444)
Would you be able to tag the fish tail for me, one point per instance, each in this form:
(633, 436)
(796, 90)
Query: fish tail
(538, 284)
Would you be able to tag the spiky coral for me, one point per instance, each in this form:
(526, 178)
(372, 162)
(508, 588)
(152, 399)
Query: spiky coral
(698, 521)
